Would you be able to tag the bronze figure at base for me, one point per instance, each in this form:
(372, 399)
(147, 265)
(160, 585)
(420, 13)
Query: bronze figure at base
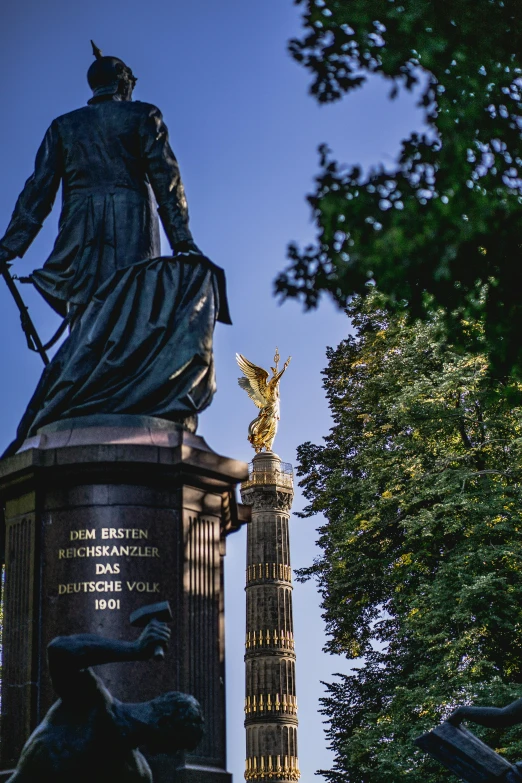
(88, 735)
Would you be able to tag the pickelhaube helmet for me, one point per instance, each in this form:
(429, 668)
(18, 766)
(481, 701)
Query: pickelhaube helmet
(107, 75)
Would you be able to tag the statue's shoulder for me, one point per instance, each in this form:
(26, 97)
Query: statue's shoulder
(129, 107)
(132, 114)
(147, 108)
(70, 115)
(71, 118)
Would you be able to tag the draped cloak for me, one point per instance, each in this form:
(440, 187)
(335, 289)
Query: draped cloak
(149, 319)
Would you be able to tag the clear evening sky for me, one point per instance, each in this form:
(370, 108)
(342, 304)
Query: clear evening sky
(245, 132)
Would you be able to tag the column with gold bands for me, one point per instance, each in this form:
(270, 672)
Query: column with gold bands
(270, 698)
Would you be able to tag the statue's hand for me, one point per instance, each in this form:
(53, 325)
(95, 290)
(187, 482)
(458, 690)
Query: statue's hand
(154, 634)
(5, 256)
(456, 717)
(186, 246)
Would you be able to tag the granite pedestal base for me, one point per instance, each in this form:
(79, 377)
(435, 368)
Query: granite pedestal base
(102, 517)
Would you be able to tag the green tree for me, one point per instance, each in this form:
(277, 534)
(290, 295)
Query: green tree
(419, 481)
(446, 219)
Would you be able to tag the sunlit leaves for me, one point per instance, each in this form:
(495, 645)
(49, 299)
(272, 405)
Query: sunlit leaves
(420, 482)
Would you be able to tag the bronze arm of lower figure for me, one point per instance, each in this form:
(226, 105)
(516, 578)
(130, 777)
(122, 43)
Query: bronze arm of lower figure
(68, 655)
(491, 717)
(88, 734)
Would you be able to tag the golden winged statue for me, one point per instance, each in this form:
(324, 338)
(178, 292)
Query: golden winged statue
(265, 394)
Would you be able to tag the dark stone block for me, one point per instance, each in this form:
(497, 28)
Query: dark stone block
(156, 529)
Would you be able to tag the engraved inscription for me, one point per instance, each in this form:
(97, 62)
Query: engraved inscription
(104, 564)
(108, 551)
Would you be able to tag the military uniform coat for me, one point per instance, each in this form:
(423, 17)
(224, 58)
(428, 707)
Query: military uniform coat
(114, 161)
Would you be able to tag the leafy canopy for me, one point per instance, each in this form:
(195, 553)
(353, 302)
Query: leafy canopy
(447, 218)
(420, 482)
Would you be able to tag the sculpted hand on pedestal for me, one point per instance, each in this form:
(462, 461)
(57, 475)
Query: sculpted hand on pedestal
(154, 634)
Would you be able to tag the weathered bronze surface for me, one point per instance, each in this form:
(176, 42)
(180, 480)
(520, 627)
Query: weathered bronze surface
(89, 735)
(464, 754)
(265, 394)
(152, 318)
(155, 358)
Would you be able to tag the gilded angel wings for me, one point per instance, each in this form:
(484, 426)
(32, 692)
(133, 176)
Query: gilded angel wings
(264, 392)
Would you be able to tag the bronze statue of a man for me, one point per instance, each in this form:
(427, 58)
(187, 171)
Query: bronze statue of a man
(113, 159)
(141, 324)
(88, 735)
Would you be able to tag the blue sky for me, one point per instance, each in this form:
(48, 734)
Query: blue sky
(245, 132)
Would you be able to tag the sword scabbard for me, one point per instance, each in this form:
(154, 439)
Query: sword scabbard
(33, 339)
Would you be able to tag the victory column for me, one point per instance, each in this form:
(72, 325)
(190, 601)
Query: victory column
(270, 703)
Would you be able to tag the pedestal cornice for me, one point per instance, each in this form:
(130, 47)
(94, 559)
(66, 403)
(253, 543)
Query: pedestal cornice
(173, 457)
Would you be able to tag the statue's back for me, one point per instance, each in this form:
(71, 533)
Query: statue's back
(104, 144)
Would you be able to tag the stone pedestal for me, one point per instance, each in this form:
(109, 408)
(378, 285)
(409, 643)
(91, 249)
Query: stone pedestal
(99, 521)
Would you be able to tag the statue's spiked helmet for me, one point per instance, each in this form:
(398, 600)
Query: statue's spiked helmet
(109, 75)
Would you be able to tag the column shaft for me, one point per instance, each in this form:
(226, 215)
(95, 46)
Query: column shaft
(270, 698)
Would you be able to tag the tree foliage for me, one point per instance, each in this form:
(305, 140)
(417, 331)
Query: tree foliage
(421, 569)
(447, 218)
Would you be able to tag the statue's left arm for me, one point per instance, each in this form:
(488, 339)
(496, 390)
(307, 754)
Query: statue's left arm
(165, 178)
(492, 717)
(70, 656)
(36, 199)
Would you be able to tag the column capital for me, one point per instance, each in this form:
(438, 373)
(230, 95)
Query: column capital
(267, 498)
